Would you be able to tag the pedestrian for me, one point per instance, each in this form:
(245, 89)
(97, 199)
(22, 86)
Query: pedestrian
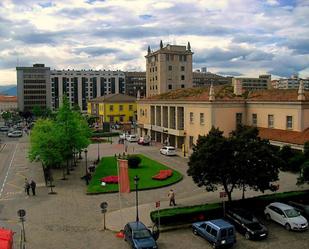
(171, 196)
(33, 186)
(27, 186)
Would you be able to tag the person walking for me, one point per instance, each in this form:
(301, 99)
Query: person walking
(171, 196)
(33, 186)
(27, 186)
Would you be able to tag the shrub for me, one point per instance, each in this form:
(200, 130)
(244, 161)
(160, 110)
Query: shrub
(295, 163)
(134, 161)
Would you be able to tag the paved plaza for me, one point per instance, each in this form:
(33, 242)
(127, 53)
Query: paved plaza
(72, 219)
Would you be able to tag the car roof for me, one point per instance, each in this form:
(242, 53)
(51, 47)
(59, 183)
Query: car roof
(280, 205)
(169, 147)
(220, 223)
(137, 225)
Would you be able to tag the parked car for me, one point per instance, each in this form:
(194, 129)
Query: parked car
(145, 140)
(15, 134)
(246, 223)
(139, 236)
(218, 232)
(300, 207)
(168, 151)
(286, 215)
(4, 128)
(123, 136)
(132, 138)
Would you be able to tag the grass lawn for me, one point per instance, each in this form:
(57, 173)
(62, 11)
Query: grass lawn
(145, 171)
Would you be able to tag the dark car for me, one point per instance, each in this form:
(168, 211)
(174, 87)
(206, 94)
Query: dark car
(139, 236)
(246, 223)
(300, 207)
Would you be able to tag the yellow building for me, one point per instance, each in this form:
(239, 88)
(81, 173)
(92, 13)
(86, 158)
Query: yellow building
(113, 108)
(180, 116)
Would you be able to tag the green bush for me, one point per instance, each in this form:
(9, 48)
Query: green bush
(134, 161)
(184, 215)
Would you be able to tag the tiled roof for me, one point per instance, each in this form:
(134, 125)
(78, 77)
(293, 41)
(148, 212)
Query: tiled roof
(114, 98)
(225, 93)
(5, 98)
(286, 136)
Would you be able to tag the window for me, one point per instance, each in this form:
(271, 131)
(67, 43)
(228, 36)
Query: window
(182, 68)
(254, 119)
(130, 107)
(182, 86)
(223, 233)
(191, 117)
(121, 108)
(270, 121)
(170, 68)
(121, 118)
(213, 232)
(169, 86)
(203, 225)
(202, 119)
(182, 77)
(289, 122)
(238, 119)
(111, 118)
(111, 108)
(208, 229)
(191, 139)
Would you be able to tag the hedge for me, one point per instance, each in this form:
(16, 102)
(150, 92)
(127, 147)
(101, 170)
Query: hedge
(183, 215)
(105, 134)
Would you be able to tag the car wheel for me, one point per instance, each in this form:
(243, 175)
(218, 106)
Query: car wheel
(194, 231)
(268, 217)
(247, 235)
(287, 226)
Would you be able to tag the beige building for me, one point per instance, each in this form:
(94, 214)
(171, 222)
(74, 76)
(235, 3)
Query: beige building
(180, 116)
(8, 103)
(249, 84)
(168, 68)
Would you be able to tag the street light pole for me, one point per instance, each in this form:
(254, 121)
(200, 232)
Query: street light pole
(136, 179)
(86, 171)
(98, 151)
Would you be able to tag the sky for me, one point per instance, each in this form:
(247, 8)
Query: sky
(229, 37)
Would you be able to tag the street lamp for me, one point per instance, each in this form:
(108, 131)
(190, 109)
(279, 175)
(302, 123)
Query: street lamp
(136, 179)
(98, 151)
(86, 171)
(21, 214)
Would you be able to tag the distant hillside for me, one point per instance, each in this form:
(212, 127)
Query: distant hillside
(9, 90)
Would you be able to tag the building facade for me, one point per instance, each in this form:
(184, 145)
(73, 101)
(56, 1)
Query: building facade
(179, 117)
(168, 68)
(135, 81)
(8, 103)
(113, 108)
(205, 79)
(250, 84)
(82, 85)
(33, 87)
(291, 83)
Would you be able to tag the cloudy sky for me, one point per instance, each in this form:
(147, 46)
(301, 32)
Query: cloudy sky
(231, 37)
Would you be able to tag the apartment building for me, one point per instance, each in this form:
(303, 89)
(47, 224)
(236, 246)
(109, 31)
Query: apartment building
(182, 115)
(82, 85)
(291, 83)
(249, 84)
(33, 87)
(204, 79)
(8, 103)
(168, 68)
(135, 81)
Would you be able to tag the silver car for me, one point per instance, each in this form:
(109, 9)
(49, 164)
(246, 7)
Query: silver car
(286, 216)
(15, 134)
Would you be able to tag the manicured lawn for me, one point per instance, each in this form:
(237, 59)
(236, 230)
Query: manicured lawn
(145, 171)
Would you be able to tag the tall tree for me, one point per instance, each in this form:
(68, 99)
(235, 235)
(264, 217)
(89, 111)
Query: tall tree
(304, 174)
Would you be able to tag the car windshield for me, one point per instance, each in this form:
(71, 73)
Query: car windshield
(171, 149)
(254, 226)
(291, 213)
(141, 234)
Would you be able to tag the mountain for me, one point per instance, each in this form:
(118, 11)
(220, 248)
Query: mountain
(9, 90)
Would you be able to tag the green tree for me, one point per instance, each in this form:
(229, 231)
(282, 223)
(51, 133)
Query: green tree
(306, 150)
(240, 161)
(37, 111)
(304, 174)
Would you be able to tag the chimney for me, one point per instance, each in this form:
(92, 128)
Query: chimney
(237, 86)
(211, 93)
(301, 91)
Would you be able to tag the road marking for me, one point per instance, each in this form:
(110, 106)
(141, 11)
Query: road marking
(2, 148)
(7, 173)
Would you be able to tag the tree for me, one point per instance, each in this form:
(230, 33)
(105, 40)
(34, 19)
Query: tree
(239, 161)
(304, 174)
(306, 150)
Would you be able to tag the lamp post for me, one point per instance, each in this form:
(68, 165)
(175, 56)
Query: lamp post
(98, 151)
(136, 179)
(21, 214)
(86, 171)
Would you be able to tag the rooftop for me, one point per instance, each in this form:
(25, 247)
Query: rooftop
(5, 98)
(114, 98)
(225, 93)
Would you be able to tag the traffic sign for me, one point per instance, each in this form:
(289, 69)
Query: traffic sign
(21, 213)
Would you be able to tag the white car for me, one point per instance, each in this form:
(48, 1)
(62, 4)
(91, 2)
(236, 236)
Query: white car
(15, 134)
(132, 138)
(124, 136)
(168, 151)
(286, 216)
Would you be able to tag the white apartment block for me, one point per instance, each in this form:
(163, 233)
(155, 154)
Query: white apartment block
(291, 83)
